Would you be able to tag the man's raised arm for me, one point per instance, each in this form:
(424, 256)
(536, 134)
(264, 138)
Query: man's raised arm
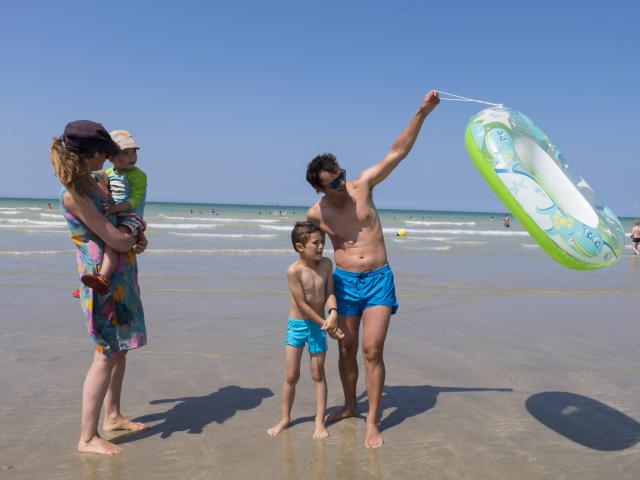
(403, 144)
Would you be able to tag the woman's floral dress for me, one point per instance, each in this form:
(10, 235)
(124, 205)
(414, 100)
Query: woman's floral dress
(115, 321)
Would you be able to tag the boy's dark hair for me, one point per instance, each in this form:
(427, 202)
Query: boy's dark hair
(326, 162)
(302, 231)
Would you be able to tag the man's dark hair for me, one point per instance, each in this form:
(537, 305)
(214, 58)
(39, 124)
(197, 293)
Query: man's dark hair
(302, 231)
(326, 162)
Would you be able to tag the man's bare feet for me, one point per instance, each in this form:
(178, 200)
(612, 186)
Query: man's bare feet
(121, 423)
(344, 412)
(372, 436)
(98, 445)
(321, 432)
(278, 427)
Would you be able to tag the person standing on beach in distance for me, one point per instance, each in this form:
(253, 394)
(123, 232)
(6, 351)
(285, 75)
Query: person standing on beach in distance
(506, 221)
(635, 236)
(310, 292)
(363, 280)
(115, 321)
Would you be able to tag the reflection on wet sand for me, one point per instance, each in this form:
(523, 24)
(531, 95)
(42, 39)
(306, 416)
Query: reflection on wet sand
(95, 467)
(320, 460)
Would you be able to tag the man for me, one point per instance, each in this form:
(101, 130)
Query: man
(363, 281)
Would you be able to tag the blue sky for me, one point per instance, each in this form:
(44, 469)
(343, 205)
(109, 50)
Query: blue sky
(230, 100)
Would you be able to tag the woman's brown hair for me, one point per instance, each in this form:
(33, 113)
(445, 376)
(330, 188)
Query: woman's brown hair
(70, 168)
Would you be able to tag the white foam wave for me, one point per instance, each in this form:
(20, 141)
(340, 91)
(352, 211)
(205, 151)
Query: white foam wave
(530, 245)
(486, 233)
(223, 235)
(51, 215)
(428, 223)
(43, 230)
(222, 251)
(220, 220)
(9, 212)
(26, 221)
(182, 226)
(277, 227)
(433, 249)
(20, 208)
(29, 253)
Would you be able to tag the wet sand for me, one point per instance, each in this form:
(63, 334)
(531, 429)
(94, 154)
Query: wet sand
(489, 376)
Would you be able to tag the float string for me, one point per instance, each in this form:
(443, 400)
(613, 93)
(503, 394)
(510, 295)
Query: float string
(460, 98)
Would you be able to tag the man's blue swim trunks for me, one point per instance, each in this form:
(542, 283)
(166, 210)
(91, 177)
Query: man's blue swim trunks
(356, 291)
(300, 332)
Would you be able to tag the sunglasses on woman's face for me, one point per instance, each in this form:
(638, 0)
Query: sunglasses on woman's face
(335, 183)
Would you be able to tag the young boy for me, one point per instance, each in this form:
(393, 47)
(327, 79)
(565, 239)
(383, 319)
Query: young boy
(128, 187)
(310, 291)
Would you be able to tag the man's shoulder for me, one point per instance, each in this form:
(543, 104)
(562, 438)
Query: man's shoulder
(313, 213)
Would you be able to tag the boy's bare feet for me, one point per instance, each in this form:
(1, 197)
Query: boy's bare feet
(278, 427)
(98, 445)
(121, 423)
(321, 432)
(97, 282)
(344, 412)
(372, 436)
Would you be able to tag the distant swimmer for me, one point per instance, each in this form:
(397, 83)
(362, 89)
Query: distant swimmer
(635, 236)
(506, 221)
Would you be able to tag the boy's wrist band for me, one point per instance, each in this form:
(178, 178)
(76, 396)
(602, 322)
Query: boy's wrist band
(332, 308)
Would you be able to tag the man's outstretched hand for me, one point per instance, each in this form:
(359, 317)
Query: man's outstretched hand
(430, 101)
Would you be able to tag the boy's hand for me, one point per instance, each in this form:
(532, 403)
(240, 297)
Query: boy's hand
(337, 334)
(331, 323)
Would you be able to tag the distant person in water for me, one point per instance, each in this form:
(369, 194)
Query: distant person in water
(635, 237)
(363, 279)
(128, 187)
(506, 221)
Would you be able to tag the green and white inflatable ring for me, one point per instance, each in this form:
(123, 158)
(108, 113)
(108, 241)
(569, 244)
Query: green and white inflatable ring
(534, 181)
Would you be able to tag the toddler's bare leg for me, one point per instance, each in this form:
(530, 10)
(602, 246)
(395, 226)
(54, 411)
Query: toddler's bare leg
(100, 282)
(320, 390)
(293, 355)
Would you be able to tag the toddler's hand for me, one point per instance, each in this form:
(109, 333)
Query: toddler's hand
(109, 208)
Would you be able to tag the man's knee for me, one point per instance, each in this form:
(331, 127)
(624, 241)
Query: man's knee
(372, 354)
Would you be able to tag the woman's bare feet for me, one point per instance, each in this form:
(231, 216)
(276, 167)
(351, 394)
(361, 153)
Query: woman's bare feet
(344, 412)
(321, 431)
(372, 436)
(121, 423)
(278, 427)
(98, 445)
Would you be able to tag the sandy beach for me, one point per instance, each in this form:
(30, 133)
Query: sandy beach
(500, 365)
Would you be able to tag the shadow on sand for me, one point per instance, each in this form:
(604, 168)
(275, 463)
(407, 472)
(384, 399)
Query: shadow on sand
(406, 401)
(192, 414)
(584, 420)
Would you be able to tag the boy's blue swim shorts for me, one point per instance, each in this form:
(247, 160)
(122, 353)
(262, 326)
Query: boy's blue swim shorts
(357, 291)
(300, 332)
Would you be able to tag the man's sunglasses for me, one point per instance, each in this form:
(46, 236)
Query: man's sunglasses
(335, 183)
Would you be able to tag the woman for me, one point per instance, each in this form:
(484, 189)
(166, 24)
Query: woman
(115, 321)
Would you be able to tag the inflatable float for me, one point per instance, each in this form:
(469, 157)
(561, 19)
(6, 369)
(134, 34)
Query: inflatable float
(533, 179)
